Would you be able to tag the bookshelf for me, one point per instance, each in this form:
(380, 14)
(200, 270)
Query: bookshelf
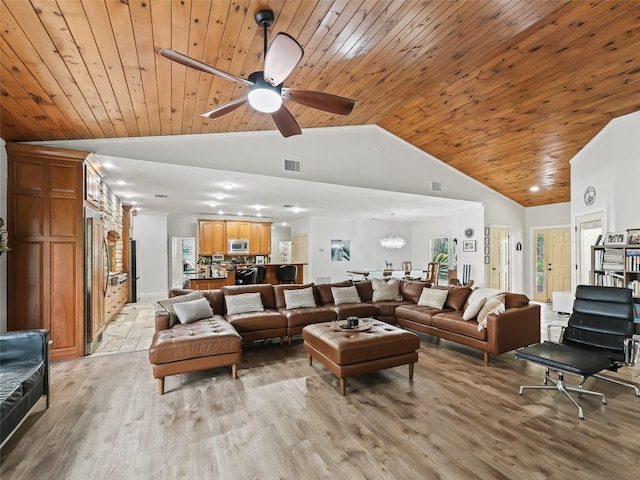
(616, 266)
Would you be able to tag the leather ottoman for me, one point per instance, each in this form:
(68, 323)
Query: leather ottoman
(200, 345)
(347, 353)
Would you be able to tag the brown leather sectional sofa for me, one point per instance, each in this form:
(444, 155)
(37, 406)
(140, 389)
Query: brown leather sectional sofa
(518, 326)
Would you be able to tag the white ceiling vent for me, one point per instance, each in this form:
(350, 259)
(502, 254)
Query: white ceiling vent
(436, 186)
(292, 165)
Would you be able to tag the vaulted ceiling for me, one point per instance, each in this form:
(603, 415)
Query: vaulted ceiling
(506, 92)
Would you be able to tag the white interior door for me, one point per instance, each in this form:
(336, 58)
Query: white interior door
(588, 228)
(499, 266)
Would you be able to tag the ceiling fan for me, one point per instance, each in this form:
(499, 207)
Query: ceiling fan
(265, 87)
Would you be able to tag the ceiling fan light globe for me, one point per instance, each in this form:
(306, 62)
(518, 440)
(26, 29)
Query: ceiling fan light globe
(265, 100)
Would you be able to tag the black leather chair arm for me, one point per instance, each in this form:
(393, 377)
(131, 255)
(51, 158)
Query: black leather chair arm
(23, 345)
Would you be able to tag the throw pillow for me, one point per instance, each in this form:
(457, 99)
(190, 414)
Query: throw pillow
(493, 305)
(345, 295)
(188, 312)
(167, 305)
(433, 297)
(244, 303)
(382, 290)
(299, 298)
(473, 309)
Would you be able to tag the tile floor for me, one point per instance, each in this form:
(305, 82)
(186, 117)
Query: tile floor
(131, 330)
(133, 327)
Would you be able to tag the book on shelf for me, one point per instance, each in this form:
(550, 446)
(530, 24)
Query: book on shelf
(609, 279)
(632, 261)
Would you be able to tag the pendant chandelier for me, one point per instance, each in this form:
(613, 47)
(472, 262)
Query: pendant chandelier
(392, 241)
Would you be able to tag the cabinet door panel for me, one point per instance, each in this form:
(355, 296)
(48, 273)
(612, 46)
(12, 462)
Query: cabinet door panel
(63, 218)
(63, 295)
(25, 287)
(64, 179)
(219, 242)
(30, 210)
(28, 177)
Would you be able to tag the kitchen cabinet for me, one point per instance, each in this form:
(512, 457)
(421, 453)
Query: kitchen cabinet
(238, 230)
(207, 283)
(212, 237)
(91, 183)
(260, 239)
(115, 298)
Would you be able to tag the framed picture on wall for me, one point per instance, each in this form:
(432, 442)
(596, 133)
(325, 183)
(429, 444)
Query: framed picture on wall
(259, 260)
(469, 246)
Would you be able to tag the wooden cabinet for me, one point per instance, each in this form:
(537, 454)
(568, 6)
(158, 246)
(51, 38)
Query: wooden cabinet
(115, 298)
(46, 283)
(238, 230)
(212, 237)
(207, 284)
(260, 239)
(92, 182)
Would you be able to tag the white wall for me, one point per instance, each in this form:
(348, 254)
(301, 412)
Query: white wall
(3, 257)
(150, 231)
(362, 156)
(610, 162)
(366, 251)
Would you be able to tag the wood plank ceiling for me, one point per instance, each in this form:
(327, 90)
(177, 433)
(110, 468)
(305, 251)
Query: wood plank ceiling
(506, 92)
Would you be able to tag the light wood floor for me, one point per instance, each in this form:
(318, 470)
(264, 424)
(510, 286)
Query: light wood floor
(282, 419)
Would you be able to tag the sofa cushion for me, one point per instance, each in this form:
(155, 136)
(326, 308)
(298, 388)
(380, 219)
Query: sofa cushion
(214, 297)
(493, 305)
(453, 322)
(515, 300)
(345, 295)
(411, 290)
(323, 290)
(307, 316)
(385, 290)
(299, 298)
(472, 310)
(279, 290)
(388, 309)
(433, 297)
(244, 303)
(267, 294)
(361, 310)
(203, 338)
(257, 321)
(417, 313)
(168, 303)
(365, 290)
(188, 312)
(457, 297)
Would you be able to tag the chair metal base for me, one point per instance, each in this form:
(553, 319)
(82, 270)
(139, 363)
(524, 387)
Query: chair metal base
(560, 385)
(618, 382)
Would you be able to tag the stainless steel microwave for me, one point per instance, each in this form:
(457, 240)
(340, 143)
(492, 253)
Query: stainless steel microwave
(238, 246)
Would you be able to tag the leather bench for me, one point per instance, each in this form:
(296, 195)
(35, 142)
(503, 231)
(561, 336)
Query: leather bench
(200, 345)
(349, 353)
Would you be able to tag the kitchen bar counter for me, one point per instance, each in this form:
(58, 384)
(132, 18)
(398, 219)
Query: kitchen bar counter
(199, 281)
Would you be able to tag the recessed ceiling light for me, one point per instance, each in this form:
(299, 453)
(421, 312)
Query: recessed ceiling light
(108, 165)
(127, 195)
(259, 214)
(296, 209)
(534, 188)
(212, 204)
(134, 203)
(227, 186)
(284, 224)
(239, 214)
(220, 212)
(219, 196)
(121, 182)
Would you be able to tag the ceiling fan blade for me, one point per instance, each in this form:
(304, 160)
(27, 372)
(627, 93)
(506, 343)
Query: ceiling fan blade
(281, 58)
(320, 100)
(226, 108)
(285, 122)
(203, 67)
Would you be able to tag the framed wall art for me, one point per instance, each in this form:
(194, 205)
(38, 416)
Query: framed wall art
(469, 246)
(633, 236)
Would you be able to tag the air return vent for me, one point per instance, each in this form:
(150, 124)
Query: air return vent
(292, 165)
(436, 186)
(160, 195)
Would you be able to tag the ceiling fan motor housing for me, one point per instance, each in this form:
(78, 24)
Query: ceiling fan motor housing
(264, 18)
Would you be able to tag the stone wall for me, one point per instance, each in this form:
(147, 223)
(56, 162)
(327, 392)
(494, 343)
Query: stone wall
(111, 216)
